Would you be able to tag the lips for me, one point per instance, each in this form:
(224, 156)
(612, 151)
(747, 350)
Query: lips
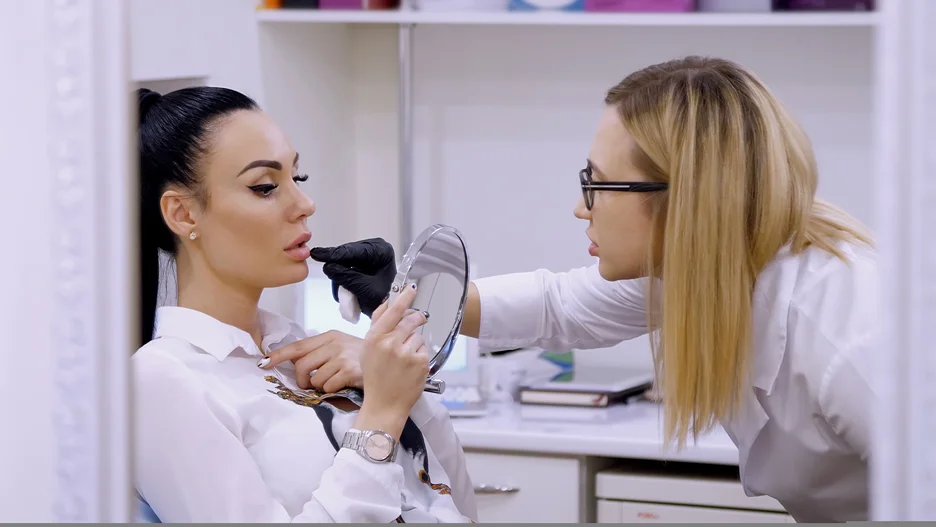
(298, 250)
(593, 248)
(299, 242)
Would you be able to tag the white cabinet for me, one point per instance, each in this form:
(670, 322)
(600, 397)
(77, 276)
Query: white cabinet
(525, 489)
(636, 497)
(612, 511)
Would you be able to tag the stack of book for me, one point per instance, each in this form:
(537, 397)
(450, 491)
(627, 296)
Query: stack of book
(588, 386)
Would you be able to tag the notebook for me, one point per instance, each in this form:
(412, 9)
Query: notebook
(595, 386)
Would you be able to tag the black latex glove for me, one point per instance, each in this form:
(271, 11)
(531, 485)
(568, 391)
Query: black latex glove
(366, 268)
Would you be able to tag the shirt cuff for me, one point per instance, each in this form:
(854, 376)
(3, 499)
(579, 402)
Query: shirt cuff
(424, 410)
(510, 308)
(388, 475)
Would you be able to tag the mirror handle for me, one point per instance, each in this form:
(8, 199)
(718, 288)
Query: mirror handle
(435, 386)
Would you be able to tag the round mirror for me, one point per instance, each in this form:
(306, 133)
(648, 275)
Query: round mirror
(437, 262)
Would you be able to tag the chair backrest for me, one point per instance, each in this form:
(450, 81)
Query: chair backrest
(144, 513)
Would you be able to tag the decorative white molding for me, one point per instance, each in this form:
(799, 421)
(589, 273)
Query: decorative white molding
(923, 255)
(903, 462)
(74, 335)
(91, 320)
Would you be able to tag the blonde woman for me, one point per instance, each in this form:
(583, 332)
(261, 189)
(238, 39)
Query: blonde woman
(699, 193)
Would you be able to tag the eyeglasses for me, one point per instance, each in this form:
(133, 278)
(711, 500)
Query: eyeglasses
(589, 187)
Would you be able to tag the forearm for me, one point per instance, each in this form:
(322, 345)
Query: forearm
(471, 320)
(374, 418)
(574, 309)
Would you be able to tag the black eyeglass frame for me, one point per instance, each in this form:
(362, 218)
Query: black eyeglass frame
(589, 187)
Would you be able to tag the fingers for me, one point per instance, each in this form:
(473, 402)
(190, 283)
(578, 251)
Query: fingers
(315, 361)
(330, 254)
(296, 350)
(338, 272)
(367, 255)
(410, 323)
(415, 346)
(380, 311)
(414, 343)
(347, 377)
(318, 379)
(395, 312)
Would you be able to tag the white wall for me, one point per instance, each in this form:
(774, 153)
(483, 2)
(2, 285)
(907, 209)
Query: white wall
(178, 43)
(505, 116)
(212, 39)
(27, 478)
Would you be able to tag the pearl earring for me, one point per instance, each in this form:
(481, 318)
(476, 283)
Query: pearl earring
(192, 236)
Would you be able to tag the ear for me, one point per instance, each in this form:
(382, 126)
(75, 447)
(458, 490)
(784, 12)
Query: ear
(177, 212)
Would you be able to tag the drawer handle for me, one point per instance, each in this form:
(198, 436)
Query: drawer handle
(494, 489)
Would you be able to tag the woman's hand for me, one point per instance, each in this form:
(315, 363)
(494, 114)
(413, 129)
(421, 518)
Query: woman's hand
(366, 268)
(395, 362)
(327, 362)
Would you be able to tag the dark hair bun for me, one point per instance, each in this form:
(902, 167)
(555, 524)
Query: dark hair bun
(147, 99)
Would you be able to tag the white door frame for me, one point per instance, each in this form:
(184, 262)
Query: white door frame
(903, 465)
(68, 305)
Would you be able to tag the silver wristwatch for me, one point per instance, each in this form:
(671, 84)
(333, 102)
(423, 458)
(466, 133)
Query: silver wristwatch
(376, 446)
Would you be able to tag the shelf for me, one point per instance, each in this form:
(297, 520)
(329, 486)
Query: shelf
(547, 18)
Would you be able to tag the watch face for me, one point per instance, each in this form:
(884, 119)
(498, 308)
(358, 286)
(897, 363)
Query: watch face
(378, 446)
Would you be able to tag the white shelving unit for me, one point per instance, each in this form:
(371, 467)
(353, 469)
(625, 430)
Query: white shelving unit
(550, 18)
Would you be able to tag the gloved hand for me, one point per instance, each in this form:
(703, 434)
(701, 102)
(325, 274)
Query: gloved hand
(365, 268)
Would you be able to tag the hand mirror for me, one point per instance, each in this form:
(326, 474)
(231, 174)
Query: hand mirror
(437, 262)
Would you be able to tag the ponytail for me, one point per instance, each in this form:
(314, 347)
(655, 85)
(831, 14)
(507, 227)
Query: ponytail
(149, 223)
(173, 135)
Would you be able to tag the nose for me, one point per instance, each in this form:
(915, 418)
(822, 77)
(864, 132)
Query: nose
(303, 207)
(581, 211)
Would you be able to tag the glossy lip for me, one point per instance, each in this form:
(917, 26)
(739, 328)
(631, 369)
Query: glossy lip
(304, 238)
(587, 235)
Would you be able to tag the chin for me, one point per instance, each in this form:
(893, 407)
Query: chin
(614, 273)
(292, 274)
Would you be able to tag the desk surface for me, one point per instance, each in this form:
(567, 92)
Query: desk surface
(633, 431)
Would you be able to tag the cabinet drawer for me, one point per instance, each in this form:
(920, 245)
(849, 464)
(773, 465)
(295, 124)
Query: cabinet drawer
(527, 489)
(611, 511)
(685, 489)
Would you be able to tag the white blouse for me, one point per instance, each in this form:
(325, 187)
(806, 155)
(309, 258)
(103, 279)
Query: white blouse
(217, 439)
(802, 433)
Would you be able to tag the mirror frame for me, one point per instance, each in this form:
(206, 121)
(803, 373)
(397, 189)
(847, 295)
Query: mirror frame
(403, 269)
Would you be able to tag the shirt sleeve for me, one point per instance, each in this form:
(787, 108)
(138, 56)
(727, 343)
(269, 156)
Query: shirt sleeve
(433, 420)
(574, 309)
(192, 467)
(845, 397)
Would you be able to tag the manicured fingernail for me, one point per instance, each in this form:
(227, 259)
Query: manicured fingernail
(426, 314)
(311, 373)
(385, 299)
(263, 362)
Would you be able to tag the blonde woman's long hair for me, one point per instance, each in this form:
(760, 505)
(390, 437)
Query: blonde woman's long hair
(742, 183)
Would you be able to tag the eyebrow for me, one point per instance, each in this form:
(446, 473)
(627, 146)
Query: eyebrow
(266, 163)
(595, 169)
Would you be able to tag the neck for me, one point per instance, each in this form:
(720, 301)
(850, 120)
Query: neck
(203, 290)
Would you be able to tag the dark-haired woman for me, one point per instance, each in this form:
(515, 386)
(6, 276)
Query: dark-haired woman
(228, 425)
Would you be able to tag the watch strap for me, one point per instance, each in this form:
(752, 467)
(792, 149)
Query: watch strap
(355, 439)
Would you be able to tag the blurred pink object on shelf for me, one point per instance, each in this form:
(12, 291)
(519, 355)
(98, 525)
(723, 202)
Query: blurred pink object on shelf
(641, 6)
(358, 4)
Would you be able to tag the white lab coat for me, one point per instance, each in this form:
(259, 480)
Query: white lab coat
(217, 439)
(802, 432)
